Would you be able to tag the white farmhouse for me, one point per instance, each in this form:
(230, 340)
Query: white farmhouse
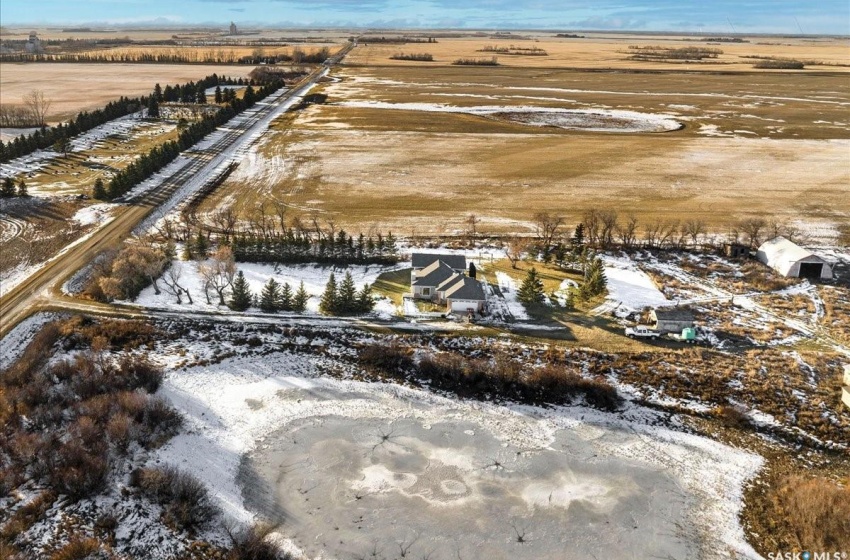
(791, 260)
(441, 278)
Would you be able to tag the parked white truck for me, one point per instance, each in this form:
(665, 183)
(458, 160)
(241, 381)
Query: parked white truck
(642, 331)
(688, 335)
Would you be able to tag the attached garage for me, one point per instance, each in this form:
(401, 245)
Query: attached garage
(464, 294)
(791, 260)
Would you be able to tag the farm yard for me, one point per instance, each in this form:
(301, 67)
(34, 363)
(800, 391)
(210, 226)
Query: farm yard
(272, 358)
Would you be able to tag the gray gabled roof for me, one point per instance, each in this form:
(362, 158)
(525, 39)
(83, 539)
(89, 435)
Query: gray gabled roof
(674, 314)
(421, 260)
(433, 275)
(466, 288)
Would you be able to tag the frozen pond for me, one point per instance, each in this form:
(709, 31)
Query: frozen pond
(346, 488)
(343, 469)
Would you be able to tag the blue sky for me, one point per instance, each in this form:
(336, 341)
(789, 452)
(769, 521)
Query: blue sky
(745, 16)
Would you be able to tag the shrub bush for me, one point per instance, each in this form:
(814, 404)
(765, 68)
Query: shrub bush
(391, 359)
(77, 549)
(184, 498)
(254, 545)
(819, 511)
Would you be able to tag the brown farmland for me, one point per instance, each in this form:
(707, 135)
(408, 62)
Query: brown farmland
(72, 88)
(753, 145)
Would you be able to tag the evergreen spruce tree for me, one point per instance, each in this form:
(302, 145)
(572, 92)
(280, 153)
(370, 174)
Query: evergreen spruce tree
(217, 97)
(571, 300)
(202, 96)
(299, 302)
(328, 304)
(62, 145)
(578, 236)
(22, 189)
(99, 191)
(153, 107)
(8, 188)
(284, 300)
(531, 291)
(595, 281)
(270, 297)
(365, 301)
(201, 246)
(241, 298)
(347, 295)
(391, 244)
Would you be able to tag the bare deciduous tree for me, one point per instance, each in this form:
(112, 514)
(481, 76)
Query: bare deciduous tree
(37, 105)
(608, 221)
(628, 232)
(218, 273)
(224, 220)
(171, 280)
(668, 233)
(471, 227)
(514, 249)
(591, 226)
(694, 229)
(752, 230)
(547, 226)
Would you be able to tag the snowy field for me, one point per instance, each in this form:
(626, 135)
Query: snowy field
(594, 120)
(314, 277)
(629, 288)
(269, 435)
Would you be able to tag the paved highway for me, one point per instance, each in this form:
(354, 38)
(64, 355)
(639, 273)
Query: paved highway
(42, 290)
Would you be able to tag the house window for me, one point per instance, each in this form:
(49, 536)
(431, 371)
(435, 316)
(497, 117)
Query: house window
(426, 291)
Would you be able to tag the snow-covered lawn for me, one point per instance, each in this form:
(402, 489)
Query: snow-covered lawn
(629, 287)
(509, 288)
(314, 277)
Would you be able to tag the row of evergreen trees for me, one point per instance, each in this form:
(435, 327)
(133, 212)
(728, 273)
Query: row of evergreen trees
(160, 156)
(46, 137)
(345, 299)
(8, 189)
(272, 298)
(189, 92)
(342, 299)
(299, 247)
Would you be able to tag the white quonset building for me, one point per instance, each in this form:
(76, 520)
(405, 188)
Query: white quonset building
(791, 260)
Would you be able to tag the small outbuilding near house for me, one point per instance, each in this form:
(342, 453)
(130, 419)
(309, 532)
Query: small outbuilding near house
(672, 319)
(792, 261)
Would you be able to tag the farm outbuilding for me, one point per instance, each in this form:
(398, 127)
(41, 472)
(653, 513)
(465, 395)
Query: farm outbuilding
(672, 319)
(735, 250)
(790, 260)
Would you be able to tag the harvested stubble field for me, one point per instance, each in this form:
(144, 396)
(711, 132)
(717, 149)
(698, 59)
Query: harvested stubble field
(603, 51)
(416, 149)
(72, 88)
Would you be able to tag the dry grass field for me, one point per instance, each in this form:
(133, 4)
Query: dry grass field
(72, 88)
(611, 51)
(403, 148)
